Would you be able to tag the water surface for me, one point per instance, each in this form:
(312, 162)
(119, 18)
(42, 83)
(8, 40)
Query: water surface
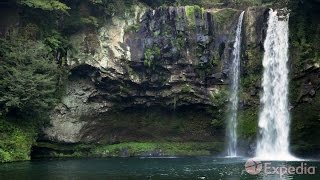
(141, 168)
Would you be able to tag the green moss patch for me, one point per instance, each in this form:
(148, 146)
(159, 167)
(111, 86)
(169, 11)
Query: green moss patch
(132, 149)
(151, 55)
(248, 123)
(191, 14)
(224, 15)
(163, 148)
(15, 142)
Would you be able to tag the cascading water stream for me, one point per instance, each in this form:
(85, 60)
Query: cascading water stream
(234, 99)
(274, 120)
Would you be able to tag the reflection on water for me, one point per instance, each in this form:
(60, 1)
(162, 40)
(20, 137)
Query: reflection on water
(144, 168)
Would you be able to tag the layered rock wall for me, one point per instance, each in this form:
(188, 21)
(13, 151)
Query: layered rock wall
(170, 58)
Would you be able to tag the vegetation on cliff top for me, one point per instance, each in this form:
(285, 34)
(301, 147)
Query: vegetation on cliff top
(49, 5)
(210, 3)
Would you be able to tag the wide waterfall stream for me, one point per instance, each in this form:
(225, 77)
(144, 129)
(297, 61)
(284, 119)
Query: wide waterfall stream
(234, 97)
(274, 121)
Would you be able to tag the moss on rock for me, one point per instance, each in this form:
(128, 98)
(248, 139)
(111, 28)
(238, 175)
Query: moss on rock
(248, 123)
(151, 55)
(130, 149)
(191, 12)
(15, 141)
(305, 128)
(224, 15)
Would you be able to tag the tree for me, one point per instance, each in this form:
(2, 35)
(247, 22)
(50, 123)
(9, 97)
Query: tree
(28, 78)
(48, 5)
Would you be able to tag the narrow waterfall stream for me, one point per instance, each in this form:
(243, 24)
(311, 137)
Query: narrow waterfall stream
(274, 120)
(234, 99)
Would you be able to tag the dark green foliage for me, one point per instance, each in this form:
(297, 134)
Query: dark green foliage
(217, 124)
(28, 80)
(76, 19)
(219, 98)
(151, 55)
(205, 3)
(305, 128)
(109, 8)
(155, 3)
(191, 12)
(58, 47)
(48, 5)
(167, 148)
(132, 149)
(304, 33)
(304, 48)
(248, 123)
(15, 141)
(204, 69)
(222, 16)
(77, 22)
(32, 73)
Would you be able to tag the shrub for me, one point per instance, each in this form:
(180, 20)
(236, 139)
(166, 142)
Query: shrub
(15, 141)
(28, 78)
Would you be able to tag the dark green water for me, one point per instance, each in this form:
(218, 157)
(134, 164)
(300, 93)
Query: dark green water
(142, 168)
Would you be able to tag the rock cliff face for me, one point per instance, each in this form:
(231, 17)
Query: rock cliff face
(305, 79)
(173, 59)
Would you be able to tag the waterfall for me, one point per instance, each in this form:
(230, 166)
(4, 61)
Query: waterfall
(234, 99)
(274, 120)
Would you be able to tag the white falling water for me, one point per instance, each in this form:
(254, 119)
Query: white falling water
(234, 99)
(274, 120)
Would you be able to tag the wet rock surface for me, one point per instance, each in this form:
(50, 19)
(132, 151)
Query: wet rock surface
(170, 57)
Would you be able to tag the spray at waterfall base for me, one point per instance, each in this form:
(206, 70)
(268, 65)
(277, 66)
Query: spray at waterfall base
(255, 167)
